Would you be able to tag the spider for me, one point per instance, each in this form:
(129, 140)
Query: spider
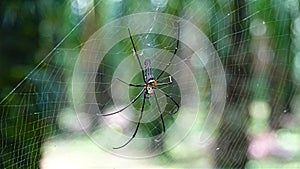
(149, 89)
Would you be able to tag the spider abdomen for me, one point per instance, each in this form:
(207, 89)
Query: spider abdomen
(149, 75)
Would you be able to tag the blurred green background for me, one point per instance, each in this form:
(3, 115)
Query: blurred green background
(258, 42)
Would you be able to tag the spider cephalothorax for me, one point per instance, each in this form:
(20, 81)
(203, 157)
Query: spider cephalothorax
(149, 88)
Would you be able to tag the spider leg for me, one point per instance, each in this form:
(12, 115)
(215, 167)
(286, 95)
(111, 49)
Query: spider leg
(130, 84)
(135, 53)
(171, 98)
(165, 83)
(161, 117)
(175, 51)
(138, 125)
(133, 101)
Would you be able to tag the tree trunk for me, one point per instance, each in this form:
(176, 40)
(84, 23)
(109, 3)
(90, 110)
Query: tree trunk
(232, 144)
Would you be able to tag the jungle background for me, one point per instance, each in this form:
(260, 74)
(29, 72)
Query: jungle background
(257, 41)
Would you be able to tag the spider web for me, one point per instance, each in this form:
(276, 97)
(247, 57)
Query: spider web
(160, 59)
(58, 105)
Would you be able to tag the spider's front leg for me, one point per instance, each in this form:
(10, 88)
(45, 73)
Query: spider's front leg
(132, 101)
(137, 126)
(171, 98)
(161, 118)
(122, 109)
(130, 84)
